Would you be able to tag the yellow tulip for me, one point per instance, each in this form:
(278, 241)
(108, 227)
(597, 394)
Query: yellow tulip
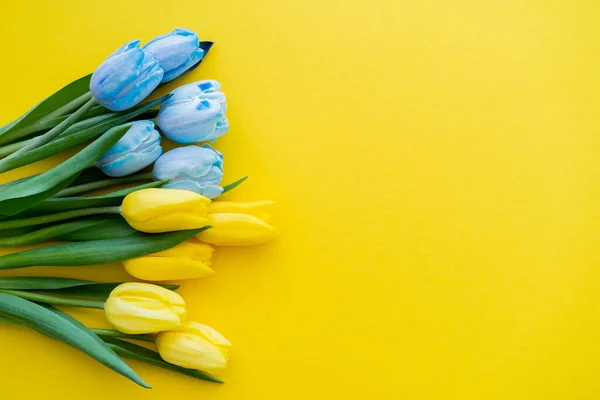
(194, 346)
(187, 260)
(137, 308)
(165, 210)
(238, 224)
(257, 208)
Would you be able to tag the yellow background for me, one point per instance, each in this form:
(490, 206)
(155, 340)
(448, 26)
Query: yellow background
(436, 167)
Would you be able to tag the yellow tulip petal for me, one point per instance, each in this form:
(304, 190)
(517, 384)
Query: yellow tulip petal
(137, 308)
(192, 249)
(149, 203)
(151, 268)
(256, 208)
(230, 229)
(164, 210)
(196, 346)
(178, 221)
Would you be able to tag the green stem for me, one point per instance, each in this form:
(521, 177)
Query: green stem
(45, 219)
(11, 148)
(117, 334)
(52, 133)
(87, 187)
(49, 121)
(57, 301)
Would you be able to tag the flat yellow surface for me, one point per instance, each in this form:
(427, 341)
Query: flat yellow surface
(436, 165)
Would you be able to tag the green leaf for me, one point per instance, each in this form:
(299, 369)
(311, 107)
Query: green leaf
(58, 204)
(97, 252)
(5, 233)
(99, 291)
(233, 185)
(59, 99)
(91, 174)
(48, 233)
(111, 227)
(79, 136)
(65, 286)
(17, 204)
(19, 197)
(40, 283)
(57, 325)
(143, 354)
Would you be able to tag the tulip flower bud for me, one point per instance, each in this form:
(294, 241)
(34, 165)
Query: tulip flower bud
(187, 260)
(194, 113)
(194, 346)
(137, 308)
(137, 149)
(164, 210)
(176, 52)
(238, 224)
(199, 169)
(125, 78)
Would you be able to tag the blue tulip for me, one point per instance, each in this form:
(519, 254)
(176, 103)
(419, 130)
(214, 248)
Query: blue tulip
(176, 52)
(137, 149)
(198, 169)
(194, 113)
(125, 78)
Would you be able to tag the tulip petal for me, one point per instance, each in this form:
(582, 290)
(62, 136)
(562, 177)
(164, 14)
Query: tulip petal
(190, 121)
(231, 229)
(257, 208)
(137, 308)
(196, 346)
(136, 150)
(115, 73)
(141, 88)
(153, 203)
(151, 268)
(194, 59)
(173, 49)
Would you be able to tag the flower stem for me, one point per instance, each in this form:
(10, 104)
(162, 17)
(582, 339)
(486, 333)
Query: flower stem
(117, 334)
(57, 301)
(87, 187)
(52, 133)
(48, 121)
(11, 148)
(45, 219)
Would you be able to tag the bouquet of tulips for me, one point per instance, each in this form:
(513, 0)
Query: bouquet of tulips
(162, 226)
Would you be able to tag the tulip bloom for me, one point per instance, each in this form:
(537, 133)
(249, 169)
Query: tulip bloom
(238, 224)
(176, 52)
(137, 308)
(165, 210)
(194, 113)
(194, 346)
(187, 260)
(125, 78)
(137, 149)
(199, 169)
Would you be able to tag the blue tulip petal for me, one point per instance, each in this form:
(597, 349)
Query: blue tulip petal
(130, 163)
(171, 51)
(192, 91)
(191, 61)
(138, 133)
(189, 121)
(126, 47)
(190, 161)
(115, 73)
(221, 128)
(199, 169)
(137, 149)
(210, 191)
(139, 91)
